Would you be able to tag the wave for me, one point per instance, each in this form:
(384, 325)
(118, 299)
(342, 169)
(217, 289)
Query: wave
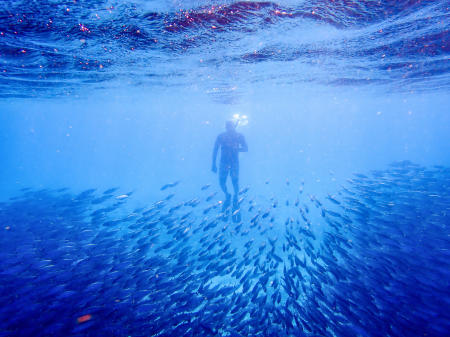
(395, 43)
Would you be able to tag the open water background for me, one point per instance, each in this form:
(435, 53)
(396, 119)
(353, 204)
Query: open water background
(102, 94)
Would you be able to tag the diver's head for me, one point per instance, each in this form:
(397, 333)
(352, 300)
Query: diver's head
(230, 126)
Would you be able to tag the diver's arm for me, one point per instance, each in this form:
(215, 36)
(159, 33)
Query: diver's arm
(216, 149)
(243, 145)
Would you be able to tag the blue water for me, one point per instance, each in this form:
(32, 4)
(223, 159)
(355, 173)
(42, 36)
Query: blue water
(103, 94)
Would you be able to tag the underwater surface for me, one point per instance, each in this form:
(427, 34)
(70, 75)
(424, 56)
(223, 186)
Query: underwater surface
(112, 223)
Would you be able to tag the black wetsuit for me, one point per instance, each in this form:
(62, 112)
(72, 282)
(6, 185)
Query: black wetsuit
(230, 144)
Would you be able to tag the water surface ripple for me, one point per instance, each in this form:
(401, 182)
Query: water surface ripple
(58, 47)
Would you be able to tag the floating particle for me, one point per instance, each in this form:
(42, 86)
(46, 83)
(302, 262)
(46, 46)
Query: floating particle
(84, 318)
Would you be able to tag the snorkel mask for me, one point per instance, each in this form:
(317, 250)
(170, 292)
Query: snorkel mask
(240, 120)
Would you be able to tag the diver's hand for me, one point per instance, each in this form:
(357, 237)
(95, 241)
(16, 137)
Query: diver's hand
(214, 168)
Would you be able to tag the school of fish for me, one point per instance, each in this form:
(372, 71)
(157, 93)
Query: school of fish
(372, 259)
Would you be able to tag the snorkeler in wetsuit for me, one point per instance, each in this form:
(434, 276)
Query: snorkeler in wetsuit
(230, 143)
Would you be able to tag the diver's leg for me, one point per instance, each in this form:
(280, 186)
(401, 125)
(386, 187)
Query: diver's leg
(223, 174)
(234, 173)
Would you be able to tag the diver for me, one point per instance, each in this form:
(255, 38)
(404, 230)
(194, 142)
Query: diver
(230, 143)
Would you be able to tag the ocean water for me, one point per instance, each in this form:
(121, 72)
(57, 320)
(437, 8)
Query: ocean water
(112, 223)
